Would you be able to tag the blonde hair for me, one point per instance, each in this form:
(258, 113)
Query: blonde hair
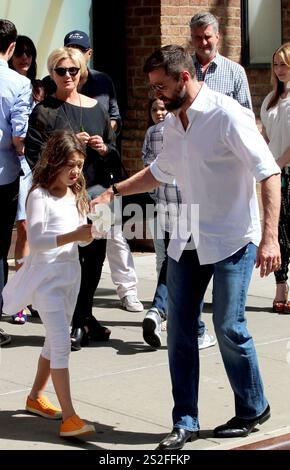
(63, 53)
(278, 86)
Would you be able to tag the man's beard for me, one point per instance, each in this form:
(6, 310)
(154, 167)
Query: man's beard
(172, 104)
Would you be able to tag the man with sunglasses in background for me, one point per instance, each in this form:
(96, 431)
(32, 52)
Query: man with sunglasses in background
(15, 105)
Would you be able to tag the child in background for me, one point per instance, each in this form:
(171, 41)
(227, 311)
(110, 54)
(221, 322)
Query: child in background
(50, 276)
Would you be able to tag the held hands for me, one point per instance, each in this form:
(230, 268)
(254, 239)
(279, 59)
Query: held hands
(84, 233)
(268, 258)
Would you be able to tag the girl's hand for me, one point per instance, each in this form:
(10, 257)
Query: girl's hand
(84, 233)
(83, 137)
(96, 142)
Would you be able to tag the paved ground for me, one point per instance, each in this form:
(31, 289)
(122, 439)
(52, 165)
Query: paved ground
(123, 386)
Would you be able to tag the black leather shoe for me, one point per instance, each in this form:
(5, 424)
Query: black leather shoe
(240, 427)
(78, 339)
(176, 439)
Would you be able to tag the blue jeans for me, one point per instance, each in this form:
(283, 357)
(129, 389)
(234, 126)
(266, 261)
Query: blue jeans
(160, 297)
(187, 282)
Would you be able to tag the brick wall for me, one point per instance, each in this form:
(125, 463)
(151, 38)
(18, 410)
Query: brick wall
(154, 23)
(143, 36)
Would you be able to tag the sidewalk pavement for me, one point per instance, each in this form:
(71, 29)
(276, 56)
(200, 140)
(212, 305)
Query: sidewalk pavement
(123, 386)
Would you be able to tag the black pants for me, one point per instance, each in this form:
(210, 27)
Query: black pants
(284, 226)
(92, 258)
(8, 208)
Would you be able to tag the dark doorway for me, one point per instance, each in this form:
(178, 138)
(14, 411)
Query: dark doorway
(109, 44)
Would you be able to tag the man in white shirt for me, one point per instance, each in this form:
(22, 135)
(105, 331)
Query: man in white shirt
(214, 150)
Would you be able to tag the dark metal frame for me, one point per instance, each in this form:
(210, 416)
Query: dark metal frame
(246, 37)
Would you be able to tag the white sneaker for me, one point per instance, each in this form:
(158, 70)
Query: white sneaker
(152, 328)
(206, 341)
(131, 303)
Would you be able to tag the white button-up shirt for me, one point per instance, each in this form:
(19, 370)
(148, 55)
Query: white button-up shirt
(216, 162)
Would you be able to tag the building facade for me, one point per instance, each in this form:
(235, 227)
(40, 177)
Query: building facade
(125, 32)
(137, 27)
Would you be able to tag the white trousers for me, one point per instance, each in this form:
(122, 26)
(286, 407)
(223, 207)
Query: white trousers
(57, 344)
(121, 263)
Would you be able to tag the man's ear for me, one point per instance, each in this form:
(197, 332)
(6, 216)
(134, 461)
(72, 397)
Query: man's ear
(185, 75)
(10, 50)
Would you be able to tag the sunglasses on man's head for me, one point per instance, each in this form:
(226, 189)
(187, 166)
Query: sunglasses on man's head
(61, 71)
(20, 52)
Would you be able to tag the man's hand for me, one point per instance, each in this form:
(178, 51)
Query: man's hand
(18, 143)
(268, 258)
(105, 198)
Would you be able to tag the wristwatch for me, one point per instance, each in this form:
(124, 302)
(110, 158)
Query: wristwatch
(115, 190)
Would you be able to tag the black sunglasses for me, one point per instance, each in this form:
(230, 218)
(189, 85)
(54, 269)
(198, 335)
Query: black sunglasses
(61, 71)
(20, 52)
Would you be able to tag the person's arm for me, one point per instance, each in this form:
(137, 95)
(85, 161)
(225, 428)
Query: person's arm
(36, 135)
(81, 234)
(141, 182)
(39, 238)
(105, 145)
(18, 143)
(242, 90)
(264, 134)
(114, 112)
(284, 159)
(19, 115)
(268, 254)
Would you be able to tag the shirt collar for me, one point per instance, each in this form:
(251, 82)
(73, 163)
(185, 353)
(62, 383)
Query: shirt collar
(199, 102)
(197, 106)
(216, 60)
(4, 62)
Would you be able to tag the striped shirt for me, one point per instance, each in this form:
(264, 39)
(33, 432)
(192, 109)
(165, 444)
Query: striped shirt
(226, 77)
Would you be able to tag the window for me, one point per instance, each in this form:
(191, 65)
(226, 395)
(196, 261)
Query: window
(262, 31)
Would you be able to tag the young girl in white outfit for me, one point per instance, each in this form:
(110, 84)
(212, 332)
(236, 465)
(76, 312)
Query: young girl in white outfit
(50, 276)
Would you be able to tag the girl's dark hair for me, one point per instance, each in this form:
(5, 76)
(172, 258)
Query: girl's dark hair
(25, 43)
(54, 156)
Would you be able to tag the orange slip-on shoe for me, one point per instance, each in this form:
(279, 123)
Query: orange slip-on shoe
(42, 407)
(75, 426)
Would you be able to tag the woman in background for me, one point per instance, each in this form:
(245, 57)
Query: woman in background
(275, 116)
(23, 61)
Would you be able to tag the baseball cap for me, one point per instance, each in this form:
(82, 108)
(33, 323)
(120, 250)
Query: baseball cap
(77, 38)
